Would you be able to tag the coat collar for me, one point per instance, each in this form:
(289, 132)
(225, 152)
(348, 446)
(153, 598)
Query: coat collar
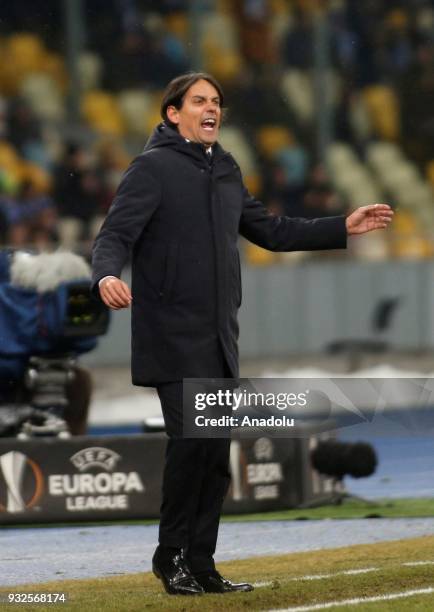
(165, 136)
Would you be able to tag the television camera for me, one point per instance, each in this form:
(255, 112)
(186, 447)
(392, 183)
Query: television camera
(48, 318)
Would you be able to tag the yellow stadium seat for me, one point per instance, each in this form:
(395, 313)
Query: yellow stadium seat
(21, 170)
(256, 256)
(26, 51)
(109, 123)
(224, 6)
(253, 182)
(10, 77)
(8, 155)
(10, 161)
(307, 6)
(397, 19)
(405, 224)
(178, 24)
(413, 247)
(226, 66)
(383, 108)
(54, 65)
(407, 238)
(153, 116)
(40, 179)
(279, 7)
(210, 49)
(22, 54)
(272, 139)
(101, 111)
(15, 172)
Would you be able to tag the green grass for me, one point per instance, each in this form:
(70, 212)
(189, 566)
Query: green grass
(349, 509)
(289, 585)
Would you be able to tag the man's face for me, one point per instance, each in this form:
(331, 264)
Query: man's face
(199, 117)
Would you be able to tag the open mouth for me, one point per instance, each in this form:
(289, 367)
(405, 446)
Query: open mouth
(209, 124)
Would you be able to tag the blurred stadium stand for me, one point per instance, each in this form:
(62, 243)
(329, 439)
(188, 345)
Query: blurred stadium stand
(378, 91)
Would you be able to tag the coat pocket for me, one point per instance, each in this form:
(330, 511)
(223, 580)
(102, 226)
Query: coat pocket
(170, 271)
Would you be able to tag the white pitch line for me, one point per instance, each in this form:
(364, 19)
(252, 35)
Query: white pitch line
(364, 570)
(413, 563)
(350, 572)
(357, 601)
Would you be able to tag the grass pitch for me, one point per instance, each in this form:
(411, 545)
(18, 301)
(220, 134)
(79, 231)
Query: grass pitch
(348, 509)
(300, 580)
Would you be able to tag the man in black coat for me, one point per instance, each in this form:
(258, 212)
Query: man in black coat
(179, 209)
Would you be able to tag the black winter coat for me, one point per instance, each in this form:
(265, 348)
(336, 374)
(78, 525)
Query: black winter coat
(181, 217)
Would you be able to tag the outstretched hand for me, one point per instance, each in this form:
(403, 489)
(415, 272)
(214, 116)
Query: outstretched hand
(368, 218)
(115, 293)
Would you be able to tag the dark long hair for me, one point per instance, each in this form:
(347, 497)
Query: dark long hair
(178, 87)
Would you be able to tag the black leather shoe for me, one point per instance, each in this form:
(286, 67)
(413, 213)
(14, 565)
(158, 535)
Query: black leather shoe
(175, 574)
(212, 582)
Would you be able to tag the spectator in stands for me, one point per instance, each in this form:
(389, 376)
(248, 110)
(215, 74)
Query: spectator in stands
(78, 195)
(296, 192)
(286, 181)
(257, 45)
(30, 15)
(125, 66)
(362, 21)
(166, 55)
(29, 218)
(24, 131)
(343, 40)
(144, 59)
(253, 98)
(320, 199)
(396, 46)
(416, 90)
(297, 51)
(23, 128)
(112, 162)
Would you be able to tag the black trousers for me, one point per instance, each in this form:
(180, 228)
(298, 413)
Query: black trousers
(195, 481)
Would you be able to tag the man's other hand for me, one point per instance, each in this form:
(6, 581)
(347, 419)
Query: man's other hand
(368, 218)
(115, 293)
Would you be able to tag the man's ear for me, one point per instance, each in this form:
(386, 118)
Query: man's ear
(173, 114)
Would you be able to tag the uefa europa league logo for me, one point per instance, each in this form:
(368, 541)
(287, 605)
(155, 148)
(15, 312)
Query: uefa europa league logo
(12, 465)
